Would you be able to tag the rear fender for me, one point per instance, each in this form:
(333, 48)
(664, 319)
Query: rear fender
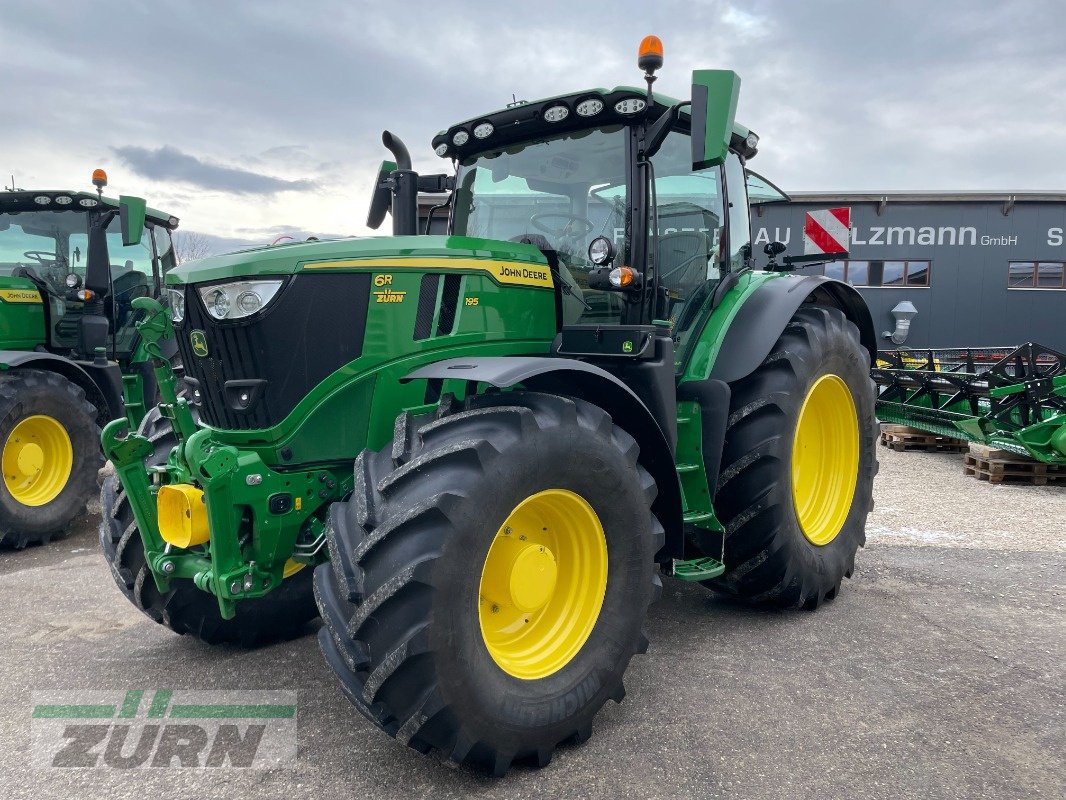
(577, 379)
(102, 384)
(765, 314)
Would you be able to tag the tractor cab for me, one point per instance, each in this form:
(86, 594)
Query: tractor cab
(641, 212)
(81, 254)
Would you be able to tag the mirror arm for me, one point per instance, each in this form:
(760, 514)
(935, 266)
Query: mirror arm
(657, 133)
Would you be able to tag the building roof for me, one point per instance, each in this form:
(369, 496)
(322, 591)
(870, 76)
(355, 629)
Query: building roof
(939, 196)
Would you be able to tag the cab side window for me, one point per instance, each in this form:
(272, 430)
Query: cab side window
(739, 221)
(689, 219)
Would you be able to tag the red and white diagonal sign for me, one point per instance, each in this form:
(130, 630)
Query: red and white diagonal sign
(827, 231)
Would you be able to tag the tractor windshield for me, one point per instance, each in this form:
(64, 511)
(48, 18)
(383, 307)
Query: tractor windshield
(50, 246)
(562, 192)
(36, 244)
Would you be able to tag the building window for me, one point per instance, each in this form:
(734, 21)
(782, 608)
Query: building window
(1035, 275)
(891, 274)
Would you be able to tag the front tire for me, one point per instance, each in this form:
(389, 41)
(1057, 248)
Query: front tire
(798, 465)
(185, 609)
(51, 453)
(489, 578)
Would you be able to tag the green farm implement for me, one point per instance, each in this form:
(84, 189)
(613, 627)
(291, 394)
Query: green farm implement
(1013, 400)
(71, 265)
(474, 455)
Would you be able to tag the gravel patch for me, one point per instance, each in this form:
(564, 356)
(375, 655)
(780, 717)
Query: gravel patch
(924, 499)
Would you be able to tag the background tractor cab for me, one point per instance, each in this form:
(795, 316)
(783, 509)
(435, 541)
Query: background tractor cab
(89, 257)
(71, 265)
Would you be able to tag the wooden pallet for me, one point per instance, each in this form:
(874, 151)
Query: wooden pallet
(903, 437)
(1007, 467)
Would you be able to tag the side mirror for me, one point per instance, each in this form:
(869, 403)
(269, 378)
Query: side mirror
(131, 211)
(714, 109)
(774, 249)
(381, 199)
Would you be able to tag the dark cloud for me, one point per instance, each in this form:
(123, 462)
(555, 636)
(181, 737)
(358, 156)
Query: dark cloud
(167, 164)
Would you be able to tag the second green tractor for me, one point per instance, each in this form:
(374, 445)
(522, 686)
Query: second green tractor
(475, 454)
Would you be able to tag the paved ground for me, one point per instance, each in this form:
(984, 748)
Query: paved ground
(939, 672)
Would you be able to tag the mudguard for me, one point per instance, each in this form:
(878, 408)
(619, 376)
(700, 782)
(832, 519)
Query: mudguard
(578, 379)
(762, 317)
(102, 384)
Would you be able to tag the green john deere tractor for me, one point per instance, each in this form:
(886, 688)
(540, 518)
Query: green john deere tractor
(71, 265)
(475, 455)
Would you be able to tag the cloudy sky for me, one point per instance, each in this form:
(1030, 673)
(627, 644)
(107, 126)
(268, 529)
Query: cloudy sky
(257, 119)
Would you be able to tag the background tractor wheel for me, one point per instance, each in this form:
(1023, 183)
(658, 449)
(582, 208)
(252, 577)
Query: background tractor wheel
(51, 452)
(798, 466)
(489, 577)
(281, 614)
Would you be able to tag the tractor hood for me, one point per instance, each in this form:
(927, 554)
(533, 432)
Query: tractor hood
(370, 251)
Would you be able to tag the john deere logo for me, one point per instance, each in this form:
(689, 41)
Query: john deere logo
(627, 346)
(199, 343)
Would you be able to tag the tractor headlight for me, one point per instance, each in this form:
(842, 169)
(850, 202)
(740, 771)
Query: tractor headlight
(238, 299)
(217, 302)
(177, 304)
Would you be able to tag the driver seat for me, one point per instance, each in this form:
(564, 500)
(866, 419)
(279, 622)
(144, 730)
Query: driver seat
(128, 286)
(684, 254)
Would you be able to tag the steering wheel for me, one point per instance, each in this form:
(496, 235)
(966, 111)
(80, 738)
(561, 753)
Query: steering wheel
(537, 221)
(41, 256)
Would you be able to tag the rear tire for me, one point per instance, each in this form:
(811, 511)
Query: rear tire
(404, 595)
(51, 446)
(185, 609)
(771, 556)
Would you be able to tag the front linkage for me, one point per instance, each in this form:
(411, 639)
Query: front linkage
(214, 514)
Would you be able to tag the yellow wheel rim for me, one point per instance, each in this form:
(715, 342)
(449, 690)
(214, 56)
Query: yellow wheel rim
(825, 459)
(542, 584)
(37, 460)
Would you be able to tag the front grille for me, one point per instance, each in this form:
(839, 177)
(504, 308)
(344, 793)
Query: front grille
(311, 329)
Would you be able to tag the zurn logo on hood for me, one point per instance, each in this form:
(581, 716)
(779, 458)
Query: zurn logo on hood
(163, 729)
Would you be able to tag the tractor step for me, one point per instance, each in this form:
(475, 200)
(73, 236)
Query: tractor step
(698, 569)
(696, 517)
